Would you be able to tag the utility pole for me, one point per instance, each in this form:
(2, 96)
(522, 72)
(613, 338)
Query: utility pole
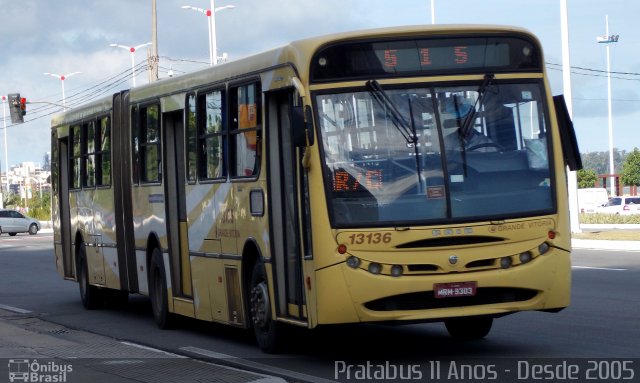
(572, 177)
(152, 53)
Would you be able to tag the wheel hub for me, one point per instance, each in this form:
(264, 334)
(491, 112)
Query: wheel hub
(260, 306)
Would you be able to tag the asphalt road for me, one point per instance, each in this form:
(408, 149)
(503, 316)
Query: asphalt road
(601, 323)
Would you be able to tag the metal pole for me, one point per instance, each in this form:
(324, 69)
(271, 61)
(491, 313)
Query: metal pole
(433, 12)
(64, 104)
(155, 59)
(214, 43)
(572, 178)
(6, 149)
(211, 54)
(133, 68)
(611, 167)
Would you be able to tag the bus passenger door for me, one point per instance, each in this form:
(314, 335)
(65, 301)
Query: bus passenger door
(175, 203)
(283, 208)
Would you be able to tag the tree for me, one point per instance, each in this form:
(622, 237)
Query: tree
(587, 178)
(631, 168)
(599, 161)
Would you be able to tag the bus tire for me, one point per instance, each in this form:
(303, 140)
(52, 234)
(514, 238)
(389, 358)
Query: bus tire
(89, 295)
(469, 328)
(158, 291)
(267, 331)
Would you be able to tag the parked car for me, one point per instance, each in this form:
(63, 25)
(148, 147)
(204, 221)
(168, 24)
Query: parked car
(621, 205)
(13, 222)
(590, 199)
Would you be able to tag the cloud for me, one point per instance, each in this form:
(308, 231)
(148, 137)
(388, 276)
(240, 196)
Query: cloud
(74, 35)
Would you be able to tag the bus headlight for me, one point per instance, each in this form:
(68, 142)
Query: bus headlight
(506, 262)
(375, 268)
(396, 270)
(525, 257)
(353, 262)
(543, 248)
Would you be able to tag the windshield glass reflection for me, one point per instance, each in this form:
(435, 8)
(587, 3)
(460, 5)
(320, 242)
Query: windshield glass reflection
(394, 156)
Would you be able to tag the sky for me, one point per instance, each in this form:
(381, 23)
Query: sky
(66, 36)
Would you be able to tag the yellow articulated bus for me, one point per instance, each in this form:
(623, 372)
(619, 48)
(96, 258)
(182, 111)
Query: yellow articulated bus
(391, 175)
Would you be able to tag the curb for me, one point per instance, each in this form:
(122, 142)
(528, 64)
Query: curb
(605, 245)
(607, 226)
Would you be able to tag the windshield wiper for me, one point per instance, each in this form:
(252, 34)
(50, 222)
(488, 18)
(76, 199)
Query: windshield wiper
(408, 131)
(466, 127)
(401, 124)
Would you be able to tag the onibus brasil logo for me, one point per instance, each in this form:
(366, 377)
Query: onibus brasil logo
(24, 370)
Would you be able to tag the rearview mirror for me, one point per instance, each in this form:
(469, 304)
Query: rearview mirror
(302, 124)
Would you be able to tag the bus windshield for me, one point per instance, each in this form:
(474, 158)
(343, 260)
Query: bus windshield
(396, 155)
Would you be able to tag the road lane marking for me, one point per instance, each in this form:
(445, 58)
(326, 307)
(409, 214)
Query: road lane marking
(147, 348)
(597, 268)
(14, 309)
(251, 365)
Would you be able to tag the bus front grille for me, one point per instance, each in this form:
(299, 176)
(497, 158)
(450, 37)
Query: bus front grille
(426, 300)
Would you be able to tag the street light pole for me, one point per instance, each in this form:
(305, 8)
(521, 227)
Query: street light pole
(133, 58)
(214, 39)
(608, 40)
(433, 12)
(572, 177)
(152, 53)
(6, 162)
(62, 78)
(210, 13)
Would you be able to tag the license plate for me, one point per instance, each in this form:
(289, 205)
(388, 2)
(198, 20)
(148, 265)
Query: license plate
(457, 289)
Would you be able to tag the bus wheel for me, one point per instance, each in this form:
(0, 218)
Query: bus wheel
(265, 328)
(90, 295)
(470, 328)
(158, 291)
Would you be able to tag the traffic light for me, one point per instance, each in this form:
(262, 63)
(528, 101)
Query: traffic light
(23, 106)
(17, 108)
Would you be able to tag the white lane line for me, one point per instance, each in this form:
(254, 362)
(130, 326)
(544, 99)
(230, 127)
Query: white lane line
(260, 366)
(14, 309)
(154, 350)
(597, 268)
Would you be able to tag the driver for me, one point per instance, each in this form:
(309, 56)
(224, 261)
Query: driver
(458, 108)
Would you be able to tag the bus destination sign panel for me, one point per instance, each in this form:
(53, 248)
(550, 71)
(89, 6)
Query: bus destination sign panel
(425, 57)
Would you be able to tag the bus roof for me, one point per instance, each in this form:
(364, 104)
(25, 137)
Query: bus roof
(297, 54)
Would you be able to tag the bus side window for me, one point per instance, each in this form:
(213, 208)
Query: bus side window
(103, 152)
(150, 158)
(211, 135)
(246, 130)
(89, 154)
(135, 145)
(75, 158)
(192, 138)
